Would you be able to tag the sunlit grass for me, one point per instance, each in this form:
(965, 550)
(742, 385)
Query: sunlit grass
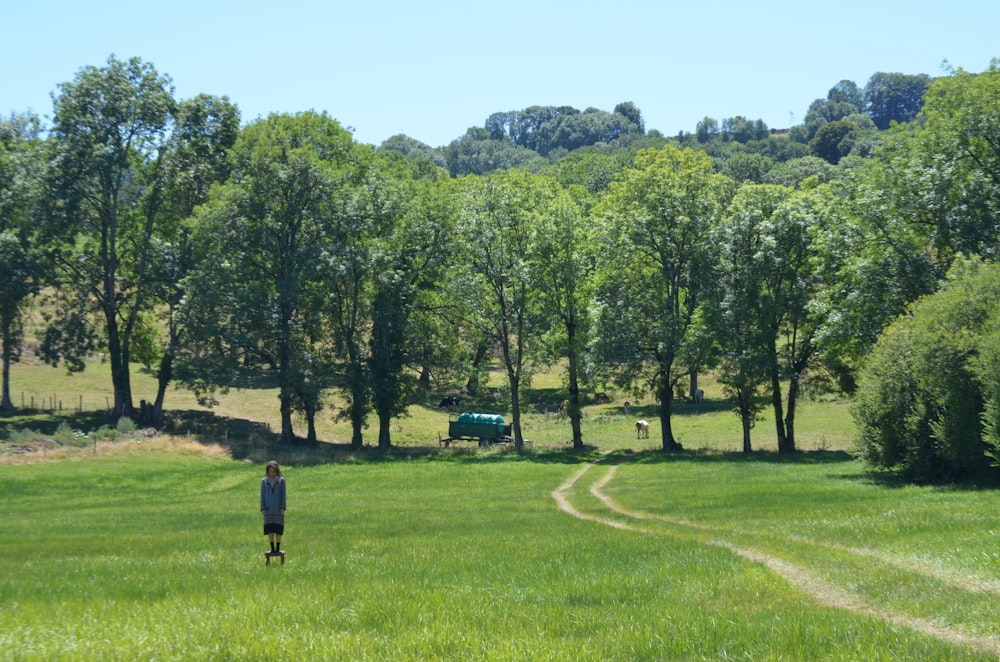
(823, 425)
(155, 554)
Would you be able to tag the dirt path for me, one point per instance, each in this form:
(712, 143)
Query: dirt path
(820, 590)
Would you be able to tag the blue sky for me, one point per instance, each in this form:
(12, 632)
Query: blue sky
(384, 68)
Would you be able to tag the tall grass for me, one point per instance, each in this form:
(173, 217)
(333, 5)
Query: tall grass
(156, 554)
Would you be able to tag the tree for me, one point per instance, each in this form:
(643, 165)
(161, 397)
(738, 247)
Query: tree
(476, 153)
(738, 309)
(109, 128)
(21, 178)
(655, 228)
(408, 266)
(707, 129)
(196, 157)
(833, 141)
(561, 270)
(894, 97)
(631, 112)
(414, 149)
(498, 215)
(747, 167)
(265, 240)
(794, 172)
(957, 148)
(847, 91)
(928, 196)
(822, 112)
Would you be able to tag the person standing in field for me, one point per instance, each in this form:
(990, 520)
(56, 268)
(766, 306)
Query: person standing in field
(272, 504)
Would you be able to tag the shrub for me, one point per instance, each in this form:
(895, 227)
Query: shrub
(125, 425)
(926, 392)
(64, 435)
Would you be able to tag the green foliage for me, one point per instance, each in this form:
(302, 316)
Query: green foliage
(655, 241)
(109, 128)
(894, 97)
(794, 171)
(922, 397)
(125, 425)
(833, 141)
(63, 434)
(284, 227)
(22, 160)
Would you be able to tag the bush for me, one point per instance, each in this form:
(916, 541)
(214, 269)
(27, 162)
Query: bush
(63, 434)
(928, 389)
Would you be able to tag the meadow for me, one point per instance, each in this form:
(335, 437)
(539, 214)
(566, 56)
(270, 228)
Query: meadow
(150, 547)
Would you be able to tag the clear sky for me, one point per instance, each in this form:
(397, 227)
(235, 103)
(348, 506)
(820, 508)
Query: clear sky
(431, 70)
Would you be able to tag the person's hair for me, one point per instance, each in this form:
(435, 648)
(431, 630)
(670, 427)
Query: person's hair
(274, 464)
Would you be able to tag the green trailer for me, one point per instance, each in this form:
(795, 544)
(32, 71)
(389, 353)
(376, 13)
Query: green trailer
(485, 428)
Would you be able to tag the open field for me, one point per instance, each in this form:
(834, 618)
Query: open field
(154, 552)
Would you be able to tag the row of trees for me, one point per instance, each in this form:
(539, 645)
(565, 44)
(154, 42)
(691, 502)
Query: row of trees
(167, 234)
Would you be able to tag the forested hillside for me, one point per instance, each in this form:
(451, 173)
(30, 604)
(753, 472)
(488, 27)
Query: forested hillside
(164, 231)
(844, 123)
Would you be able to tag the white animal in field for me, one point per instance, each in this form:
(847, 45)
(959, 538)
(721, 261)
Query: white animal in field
(642, 429)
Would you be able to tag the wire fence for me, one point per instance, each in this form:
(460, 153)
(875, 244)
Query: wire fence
(56, 403)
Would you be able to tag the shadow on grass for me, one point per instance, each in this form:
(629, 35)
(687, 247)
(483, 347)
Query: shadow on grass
(726, 457)
(46, 423)
(253, 441)
(250, 440)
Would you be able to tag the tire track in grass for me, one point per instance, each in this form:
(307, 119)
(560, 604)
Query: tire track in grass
(944, 576)
(823, 592)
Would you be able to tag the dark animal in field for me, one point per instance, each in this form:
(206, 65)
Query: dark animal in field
(449, 401)
(642, 429)
(602, 398)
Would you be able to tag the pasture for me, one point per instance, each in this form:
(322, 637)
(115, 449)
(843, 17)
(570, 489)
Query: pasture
(150, 548)
(155, 553)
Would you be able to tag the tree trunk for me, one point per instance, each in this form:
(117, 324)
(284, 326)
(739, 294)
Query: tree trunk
(779, 416)
(472, 386)
(287, 433)
(515, 404)
(793, 396)
(121, 383)
(5, 402)
(665, 396)
(163, 377)
(384, 423)
(746, 418)
(574, 388)
(357, 386)
(312, 437)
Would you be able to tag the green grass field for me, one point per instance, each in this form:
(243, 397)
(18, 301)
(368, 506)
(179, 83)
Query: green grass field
(142, 549)
(155, 553)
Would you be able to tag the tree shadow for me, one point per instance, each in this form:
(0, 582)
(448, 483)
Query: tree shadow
(657, 456)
